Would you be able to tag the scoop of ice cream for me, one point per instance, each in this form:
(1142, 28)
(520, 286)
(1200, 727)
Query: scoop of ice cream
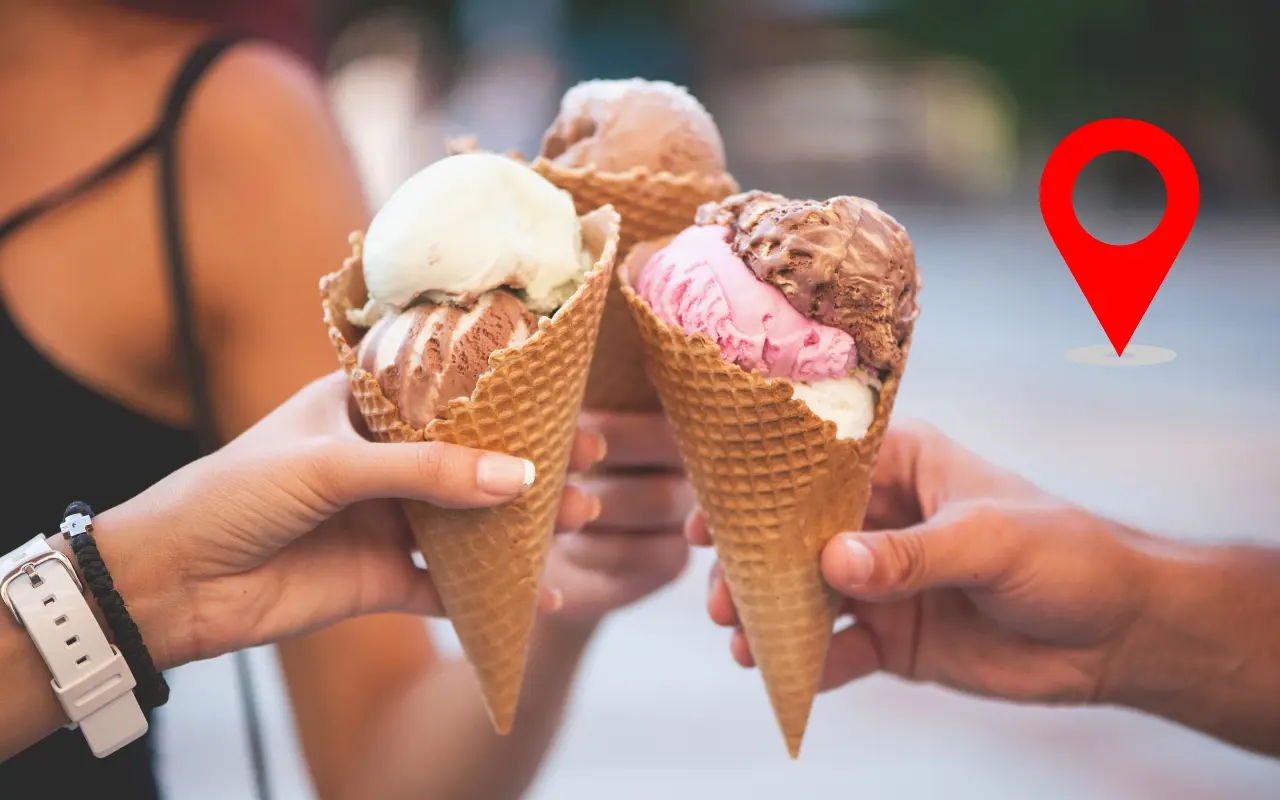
(697, 283)
(431, 354)
(470, 223)
(614, 126)
(843, 262)
(848, 402)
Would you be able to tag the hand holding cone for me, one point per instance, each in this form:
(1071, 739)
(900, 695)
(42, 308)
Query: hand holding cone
(487, 563)
(780, 462)
(776, 481)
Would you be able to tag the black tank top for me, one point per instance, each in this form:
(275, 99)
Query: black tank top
(66, 442)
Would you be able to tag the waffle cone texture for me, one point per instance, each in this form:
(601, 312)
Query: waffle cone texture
(487, 563)
(652, 205)
(775, 484)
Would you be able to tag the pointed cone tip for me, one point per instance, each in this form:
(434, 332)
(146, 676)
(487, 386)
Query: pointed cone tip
(502, 719)
(793, 746)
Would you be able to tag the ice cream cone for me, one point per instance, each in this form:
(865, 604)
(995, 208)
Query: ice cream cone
(776, 485)
(652, 205)
(487, 563)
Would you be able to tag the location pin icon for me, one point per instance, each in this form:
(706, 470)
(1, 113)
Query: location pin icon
(1119, 281)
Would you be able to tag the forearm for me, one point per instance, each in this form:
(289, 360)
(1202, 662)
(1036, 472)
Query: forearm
(28, 710)
(1206, 652)
(437, 741)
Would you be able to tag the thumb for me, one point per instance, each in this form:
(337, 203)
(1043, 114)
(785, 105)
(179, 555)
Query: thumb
(968, 545)
(446, 475)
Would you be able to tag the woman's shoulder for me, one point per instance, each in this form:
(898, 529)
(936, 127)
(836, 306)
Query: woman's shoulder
(269, 186)
(257, 89)
(260, 139)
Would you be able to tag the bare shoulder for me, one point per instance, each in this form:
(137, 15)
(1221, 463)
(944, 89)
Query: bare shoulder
(258, 93)
(269, 187)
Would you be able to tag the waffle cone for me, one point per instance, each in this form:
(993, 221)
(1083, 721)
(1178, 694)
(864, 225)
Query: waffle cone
(776, 485)
(652, 205)
(487, 563)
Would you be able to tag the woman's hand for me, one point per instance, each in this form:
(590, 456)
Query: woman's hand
(284, 530)
(969, 576)
(635, 504)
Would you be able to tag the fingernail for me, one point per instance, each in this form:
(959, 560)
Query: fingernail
(557, 600)
(504, 475)
(860, 561)
(593, 508)
(602, 447)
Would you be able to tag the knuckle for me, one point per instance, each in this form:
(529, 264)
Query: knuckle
(433, 461)
(323, 466)
(916, 429)
(986, 516)
(908, 562)
(990, 524)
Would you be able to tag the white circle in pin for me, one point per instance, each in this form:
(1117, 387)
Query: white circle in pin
(1135, 355)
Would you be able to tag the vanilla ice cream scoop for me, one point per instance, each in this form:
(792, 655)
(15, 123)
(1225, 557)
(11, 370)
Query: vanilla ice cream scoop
(467, 224)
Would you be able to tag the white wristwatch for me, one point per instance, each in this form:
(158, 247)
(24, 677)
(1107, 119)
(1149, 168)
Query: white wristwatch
(91, 680)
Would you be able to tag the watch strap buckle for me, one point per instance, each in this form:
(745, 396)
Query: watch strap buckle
(27, 569)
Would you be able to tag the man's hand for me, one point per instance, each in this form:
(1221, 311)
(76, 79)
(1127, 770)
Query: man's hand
(969, 576)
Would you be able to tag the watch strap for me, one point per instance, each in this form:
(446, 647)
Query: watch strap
(90, 678)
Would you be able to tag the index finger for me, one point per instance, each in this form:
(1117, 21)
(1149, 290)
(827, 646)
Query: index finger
(919, 469)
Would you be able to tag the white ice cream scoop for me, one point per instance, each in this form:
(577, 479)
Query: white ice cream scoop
(848, 402)
(470, 223)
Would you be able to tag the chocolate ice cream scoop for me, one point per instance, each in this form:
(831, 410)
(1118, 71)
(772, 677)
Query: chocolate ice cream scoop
(613, 126)
(842, 262)
(430, 354)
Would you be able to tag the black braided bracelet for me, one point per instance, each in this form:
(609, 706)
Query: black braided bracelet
(152, 690)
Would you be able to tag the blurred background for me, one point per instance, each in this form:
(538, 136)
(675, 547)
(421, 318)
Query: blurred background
(943, 112)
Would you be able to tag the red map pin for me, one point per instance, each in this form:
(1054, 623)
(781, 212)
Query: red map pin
(1119, 281)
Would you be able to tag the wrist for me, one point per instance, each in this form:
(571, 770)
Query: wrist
(1177, 645)
(144, 576)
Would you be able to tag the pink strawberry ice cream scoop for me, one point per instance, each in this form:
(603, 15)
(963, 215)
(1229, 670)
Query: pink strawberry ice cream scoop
(698, 283)
(820, 294)
(842, 262)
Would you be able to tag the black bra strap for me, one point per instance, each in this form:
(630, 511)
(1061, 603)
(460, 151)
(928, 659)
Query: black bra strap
(77, 186)
(197, 64)
(202, 423)
(163, 137)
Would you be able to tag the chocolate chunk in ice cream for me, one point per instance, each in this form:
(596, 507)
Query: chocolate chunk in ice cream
(843, 262)
(430, 354)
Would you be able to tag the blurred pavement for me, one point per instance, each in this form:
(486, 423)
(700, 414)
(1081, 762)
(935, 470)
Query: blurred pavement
(1189, 447)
